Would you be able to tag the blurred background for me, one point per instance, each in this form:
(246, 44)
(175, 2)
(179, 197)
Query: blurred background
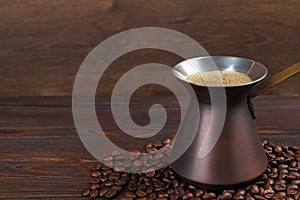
(43, 42)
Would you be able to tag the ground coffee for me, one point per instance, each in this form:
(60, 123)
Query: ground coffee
(219, 78)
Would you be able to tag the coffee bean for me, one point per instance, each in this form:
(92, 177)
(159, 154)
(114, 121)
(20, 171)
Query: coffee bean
(226, 195)
(140, 193)
(94, 186)
(239, 191)
(168, 185)
(259, 197)
(129, 194)
(86, 192)
(125, 176)
(117, 187)
(132, 186)
(180, 191)
(119, 169)
(280, 158)
(278, 149)
(254, 189)
(188, 195)
(157, 145)
(289, 152)
(108, 183)
(107, 160)
(145, 158)
(105, 167)
(134, 154)
(106, 172)
(113, 176)
(267, 187)
(166, 180)
(154, 161)
(291, 192)
(158, 184)
(120, 182)
(270, 181)
(157, 189)
(161, 198)
(126, 164)
(152, 196)
(289, 198)
(95, 174)
(283, 171)
(282, 176)
(191, 187)
(279, 186)
(174, 196)
(125, 198)
(103, 191)
(158, 155)
(261, 190)
(283, 166)
(268, 192)
(150, 173)
(210, 195)
(175, 183)
(142, 198)
(292, 187)
(94, 194)
(182, 184)
(162, 194)
(294, 175)
(293, 163)
(279, 196)
(117, 164)
(198, 192)
(137, 163)
(170, 191)
(111, 193)
(166, 141)
(148, 145)
(142, 186)
(238, 197)
(94, 180)
(150, 188)
(96, 167)
(151, 150)
(103, 178)
(295, 182)
(297, 196)
(143, 179)
(119, 157)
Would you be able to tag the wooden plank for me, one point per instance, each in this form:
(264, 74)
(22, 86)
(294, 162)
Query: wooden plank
(41, 155)
(55, 113)
(44, 42)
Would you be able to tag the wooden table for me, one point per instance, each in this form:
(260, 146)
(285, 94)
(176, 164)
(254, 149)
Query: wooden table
(41, 155)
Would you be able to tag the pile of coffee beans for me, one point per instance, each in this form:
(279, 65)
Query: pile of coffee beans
(281, 180)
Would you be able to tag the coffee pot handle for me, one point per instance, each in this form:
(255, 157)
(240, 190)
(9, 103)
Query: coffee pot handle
(274, 80)
(270, 82)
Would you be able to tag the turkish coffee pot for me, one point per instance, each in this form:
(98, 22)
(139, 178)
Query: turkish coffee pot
(238, 155)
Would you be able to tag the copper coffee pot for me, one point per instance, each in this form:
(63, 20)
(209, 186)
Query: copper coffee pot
(238, 155)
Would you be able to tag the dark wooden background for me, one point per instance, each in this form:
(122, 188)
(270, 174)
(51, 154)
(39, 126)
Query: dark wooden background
(43, 42)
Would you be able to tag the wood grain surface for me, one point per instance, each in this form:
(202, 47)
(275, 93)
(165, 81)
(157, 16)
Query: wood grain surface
(42, 157)
(43, 42)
